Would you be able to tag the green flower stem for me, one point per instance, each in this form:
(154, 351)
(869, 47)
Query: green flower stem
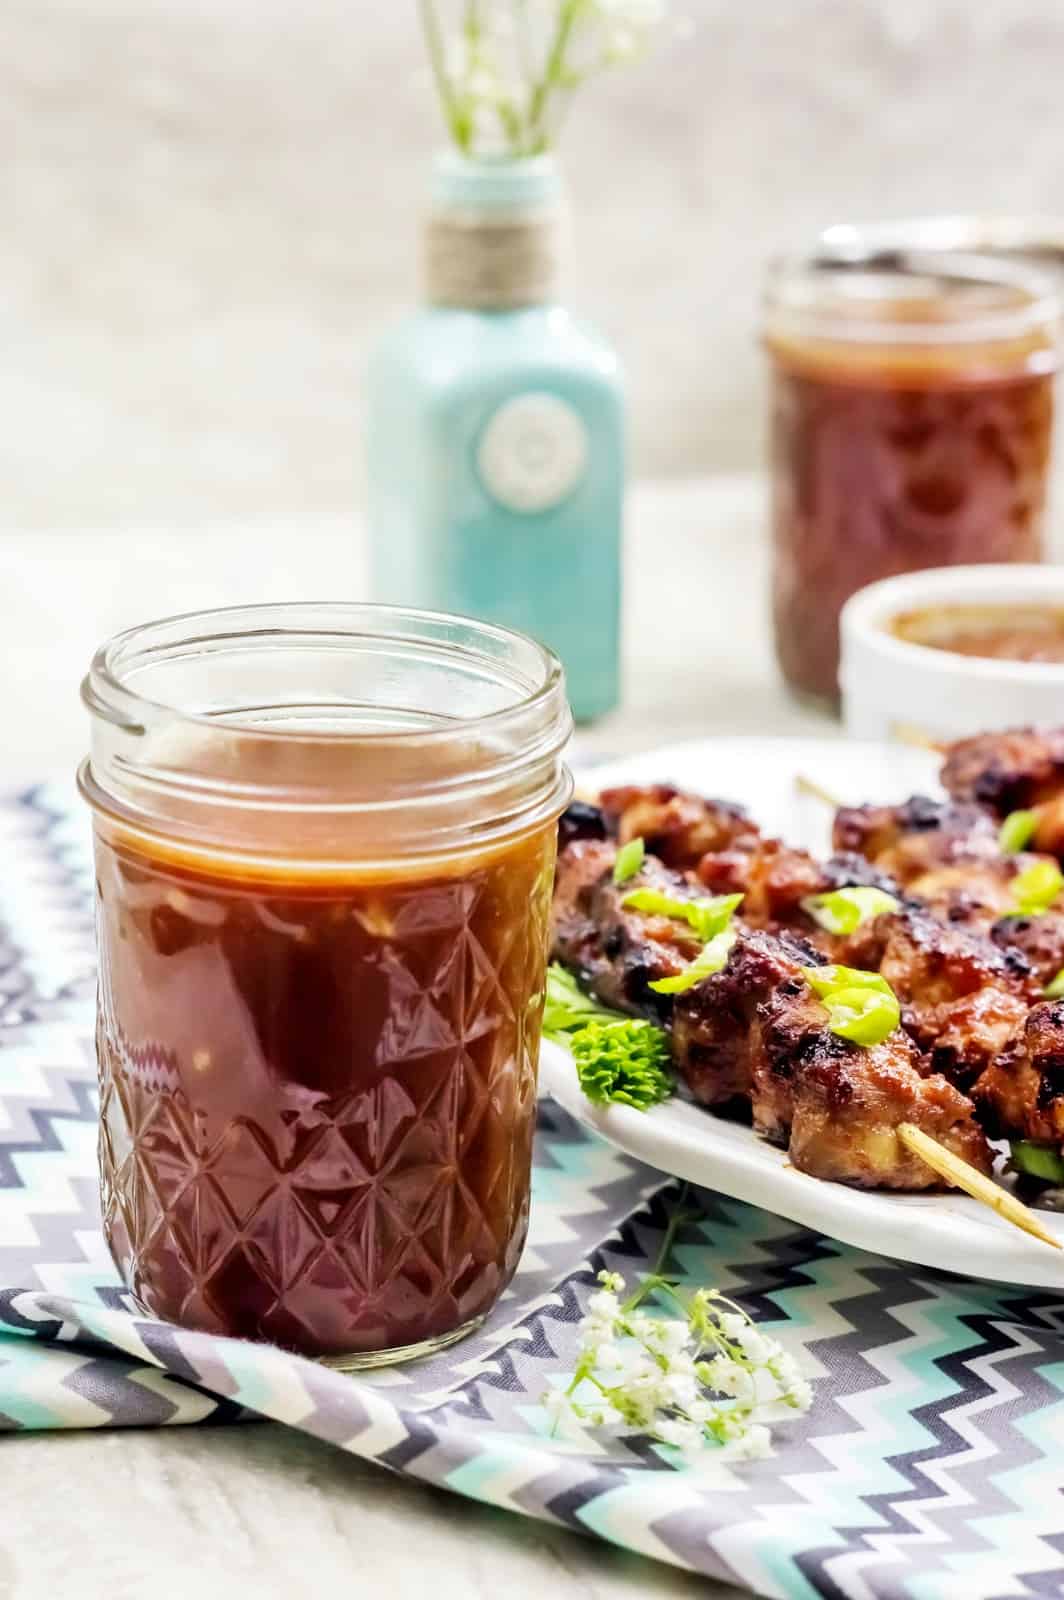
(654, 1279)
(460, 125)
(553, 74)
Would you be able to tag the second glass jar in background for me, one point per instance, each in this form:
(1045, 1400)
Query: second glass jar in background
(912, 417)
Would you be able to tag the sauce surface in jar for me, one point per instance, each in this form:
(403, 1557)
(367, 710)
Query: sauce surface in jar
(325, 841)
(911, 428)
(318, 1098)
(998, 633)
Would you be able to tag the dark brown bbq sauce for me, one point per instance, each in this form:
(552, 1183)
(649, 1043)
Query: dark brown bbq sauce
(888, 461)
(318, 1095)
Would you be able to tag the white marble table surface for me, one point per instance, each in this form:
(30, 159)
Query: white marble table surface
(263, 1510)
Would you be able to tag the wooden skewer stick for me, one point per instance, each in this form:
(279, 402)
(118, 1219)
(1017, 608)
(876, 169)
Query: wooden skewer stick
(806, 785)
(908, 733)
(981, 1188)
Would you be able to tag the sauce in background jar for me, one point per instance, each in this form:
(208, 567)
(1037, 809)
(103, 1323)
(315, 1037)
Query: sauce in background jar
(912, 420)
(325, 841)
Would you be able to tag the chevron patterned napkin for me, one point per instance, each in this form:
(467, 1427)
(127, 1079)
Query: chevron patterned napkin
(931, 1465)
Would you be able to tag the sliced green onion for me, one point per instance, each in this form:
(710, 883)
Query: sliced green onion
(1017, 831)
(1038, 1160)
(844, 910)
(706, 917)
(630, 858)
(1036, 889)
(864, 1016)
(825, 981)
(712, 959)
(1054, 990)
(861, 1006)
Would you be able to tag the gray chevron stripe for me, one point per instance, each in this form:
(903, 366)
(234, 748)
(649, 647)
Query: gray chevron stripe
(1001, 1381)
(46, 899)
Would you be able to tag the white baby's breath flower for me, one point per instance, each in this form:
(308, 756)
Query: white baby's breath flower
(696, 1382)
(682, 1390)
(603, 1303)
(685, 1436)
(799, 1394)
(612, 1281)
(672, 1338)
(729, 1377)
(754, 1345)
(604, 1416)
(607, 1358)
(753, 1444)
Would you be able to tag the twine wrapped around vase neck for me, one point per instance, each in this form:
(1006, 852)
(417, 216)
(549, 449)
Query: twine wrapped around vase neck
(493, 262)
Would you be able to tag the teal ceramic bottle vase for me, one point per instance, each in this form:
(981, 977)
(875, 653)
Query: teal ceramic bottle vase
(495, 432)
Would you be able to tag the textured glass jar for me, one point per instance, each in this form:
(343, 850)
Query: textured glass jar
(912, 420)
(324, 841)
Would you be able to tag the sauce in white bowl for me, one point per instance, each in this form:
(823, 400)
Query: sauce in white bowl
(953, 651)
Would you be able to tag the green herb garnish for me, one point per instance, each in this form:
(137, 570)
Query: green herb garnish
(630, 858)
(1038, 1160)
(843, 911)
(1036, 889)
(624, 1063)
(1054, 990)
(617, 1057)
(707, 917)
(1017, 831)
(713, 958)
(861, 1006)
(568, 1007)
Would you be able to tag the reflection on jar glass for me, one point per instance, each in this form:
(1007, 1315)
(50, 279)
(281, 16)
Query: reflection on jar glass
(912, 410)
(325, 841)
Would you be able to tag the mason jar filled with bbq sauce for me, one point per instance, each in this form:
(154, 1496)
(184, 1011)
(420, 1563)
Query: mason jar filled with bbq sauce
(325, 841)
(912, 415)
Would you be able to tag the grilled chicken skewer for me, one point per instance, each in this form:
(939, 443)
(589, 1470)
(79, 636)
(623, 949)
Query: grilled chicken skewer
(1019, 1093)
(1020, 769)
(756, 1032)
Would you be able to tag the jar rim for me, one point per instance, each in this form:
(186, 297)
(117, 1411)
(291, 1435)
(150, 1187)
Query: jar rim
(819, 294)
(104, 694)
(332, 732)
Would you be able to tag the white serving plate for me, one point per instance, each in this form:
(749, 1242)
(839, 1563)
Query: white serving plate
(946, 1230)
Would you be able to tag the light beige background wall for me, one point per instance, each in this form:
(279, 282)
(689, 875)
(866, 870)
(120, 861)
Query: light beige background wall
(209, 207)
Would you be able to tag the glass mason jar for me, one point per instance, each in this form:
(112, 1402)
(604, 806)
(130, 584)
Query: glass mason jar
(325, 840)
(912, 418)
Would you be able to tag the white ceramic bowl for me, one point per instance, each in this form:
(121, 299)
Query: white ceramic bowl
(887, 682)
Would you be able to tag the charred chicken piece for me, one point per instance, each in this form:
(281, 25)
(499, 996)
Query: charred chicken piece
(1039, 939)
(944, 855)
(1007, 771)
(676, 827)
(617, 952)
(712, 1023)
(962, 995)
(918, 837)
(1022, 1093)
(774, 879)
(838, 1105)
(1048, 835)
(581, 820)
